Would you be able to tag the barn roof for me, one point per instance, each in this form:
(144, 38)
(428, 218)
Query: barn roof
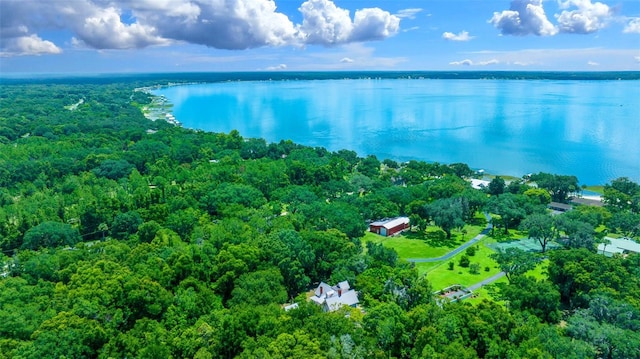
(390, 223)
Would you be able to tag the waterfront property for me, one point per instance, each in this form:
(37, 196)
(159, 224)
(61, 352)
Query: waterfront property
(389, 226)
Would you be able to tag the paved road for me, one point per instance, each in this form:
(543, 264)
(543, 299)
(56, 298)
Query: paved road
(471, 242)
(486, 281)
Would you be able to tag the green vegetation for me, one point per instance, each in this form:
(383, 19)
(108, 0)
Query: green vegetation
(125, 237)
(441, 276)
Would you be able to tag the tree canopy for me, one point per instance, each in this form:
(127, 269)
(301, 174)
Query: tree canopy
(126, 237)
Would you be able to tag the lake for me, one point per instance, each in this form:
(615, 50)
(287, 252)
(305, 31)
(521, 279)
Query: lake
(590, 129)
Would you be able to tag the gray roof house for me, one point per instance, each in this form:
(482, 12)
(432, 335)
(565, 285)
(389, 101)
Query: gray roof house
(620, 246)
(332, 298)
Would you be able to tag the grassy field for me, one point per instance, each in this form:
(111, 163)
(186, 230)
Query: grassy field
(432, 243)
(441, 276)
(407, 247)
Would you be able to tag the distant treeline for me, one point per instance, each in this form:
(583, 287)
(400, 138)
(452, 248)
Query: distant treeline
(186, 77)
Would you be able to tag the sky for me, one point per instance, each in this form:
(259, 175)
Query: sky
(133, 36)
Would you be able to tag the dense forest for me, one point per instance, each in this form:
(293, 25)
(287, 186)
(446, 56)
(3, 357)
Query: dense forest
(123, 237)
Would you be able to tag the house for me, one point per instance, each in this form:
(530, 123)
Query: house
(559, 207)
(620, 246)
(389, 227)
(332, 298)
(479, 184)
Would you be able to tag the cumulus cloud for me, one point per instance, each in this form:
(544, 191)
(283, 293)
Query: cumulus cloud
(346, 60)
(524, 17)
(326, 24)
(105, 30)
(593, 63)
(29, 45)
(461, 36)
(587, 18)
(633, 26)
(467, 62)
(228, 24)
(637, 58)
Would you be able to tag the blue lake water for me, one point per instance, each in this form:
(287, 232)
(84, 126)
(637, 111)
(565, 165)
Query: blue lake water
(590, 129)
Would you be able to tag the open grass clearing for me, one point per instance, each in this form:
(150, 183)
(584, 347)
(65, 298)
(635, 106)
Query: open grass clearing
(441, 276)
(486, 293)
(407, 247)
(431, 243)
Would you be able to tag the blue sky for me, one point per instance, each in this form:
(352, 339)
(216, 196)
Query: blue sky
(101, 36)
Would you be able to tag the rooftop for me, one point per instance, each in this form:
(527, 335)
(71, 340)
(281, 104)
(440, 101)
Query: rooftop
(391, 222)
(619, 245)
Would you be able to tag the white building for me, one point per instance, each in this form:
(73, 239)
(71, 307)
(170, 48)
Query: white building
(332, 298)
(620, 246)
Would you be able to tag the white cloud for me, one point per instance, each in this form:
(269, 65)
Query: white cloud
(633, 26)
(279, 67)
(550, 58)
(222, 24)
(346, 60)
(461, 36)
(413, 28)
(524, 17)
(326, 24)
(593, 63)
(489, 62)
(408, 13)
(587, 18)
(637, 58)
(105, 30)
(374, 24)
(467, 62)
(29, 45)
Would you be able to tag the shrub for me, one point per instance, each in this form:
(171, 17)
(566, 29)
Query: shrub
(451, 265)
(474, 268)
(471, 251)
(464, 261)
(486, 269)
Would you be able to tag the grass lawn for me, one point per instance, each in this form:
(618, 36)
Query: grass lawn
(407, 247)
(440, 276)
(484, 293)
(430, 243)
(540, 271)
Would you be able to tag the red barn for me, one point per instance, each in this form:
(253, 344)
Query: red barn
(389, 227)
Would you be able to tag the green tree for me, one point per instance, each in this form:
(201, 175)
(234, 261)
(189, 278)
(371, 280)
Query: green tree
(113, 169)
(464, 261)
(541, 298)
(125, 224)
(259, 288)
(622, 194)
(559, 186)
(447, 214)
(496, 186)
(67, 335)
(626, 223)
(50, 234)
(514, 262)
(509, 210)
(540, 227)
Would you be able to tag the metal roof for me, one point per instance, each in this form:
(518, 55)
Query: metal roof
(390, 223)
